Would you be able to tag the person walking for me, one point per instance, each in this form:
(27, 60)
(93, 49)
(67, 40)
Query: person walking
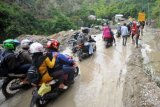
(124, 33)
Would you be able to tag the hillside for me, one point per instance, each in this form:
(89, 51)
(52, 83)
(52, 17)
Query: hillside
(50, 16)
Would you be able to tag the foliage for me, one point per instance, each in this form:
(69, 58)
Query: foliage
(14, 21)
(50, 16)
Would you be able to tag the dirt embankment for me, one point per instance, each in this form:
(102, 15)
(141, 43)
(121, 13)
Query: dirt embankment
(62, 37)
(139, 89)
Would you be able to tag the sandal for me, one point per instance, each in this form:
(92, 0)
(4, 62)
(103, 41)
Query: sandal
(62, 86)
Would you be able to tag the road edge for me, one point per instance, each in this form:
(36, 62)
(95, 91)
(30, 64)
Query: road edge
(139, 90)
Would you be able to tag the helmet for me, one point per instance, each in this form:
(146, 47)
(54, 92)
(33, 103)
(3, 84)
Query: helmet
(36, 48)
(85, 30)
(104, 24)
(10, 44)
(25, 43)
(53, 44)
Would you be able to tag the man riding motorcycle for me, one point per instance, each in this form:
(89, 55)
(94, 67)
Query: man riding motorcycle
(108, 35)
(83, 39)
(24, 54)
(62, 62)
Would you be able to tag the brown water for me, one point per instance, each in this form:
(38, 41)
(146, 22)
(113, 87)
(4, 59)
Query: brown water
(100, 83)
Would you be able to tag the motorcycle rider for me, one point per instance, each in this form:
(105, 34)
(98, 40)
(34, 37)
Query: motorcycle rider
(113, 38)
(118, 30)
(63, 64)
(83, 39)
(108, 35)
(12, 62)
(43, 63)
(24, 53)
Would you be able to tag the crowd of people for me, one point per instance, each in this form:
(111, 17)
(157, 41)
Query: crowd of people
(133, 28)
(49, 62)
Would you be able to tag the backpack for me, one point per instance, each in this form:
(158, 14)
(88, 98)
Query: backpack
(33, 74)
(3, 69)
(106, 32)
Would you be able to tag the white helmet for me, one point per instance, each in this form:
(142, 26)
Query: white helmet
(36, 48)
(25, 43)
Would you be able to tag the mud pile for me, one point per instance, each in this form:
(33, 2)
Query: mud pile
(140, 87)
(62, 37)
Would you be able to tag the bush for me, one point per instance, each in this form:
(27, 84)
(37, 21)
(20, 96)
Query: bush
(14, 22)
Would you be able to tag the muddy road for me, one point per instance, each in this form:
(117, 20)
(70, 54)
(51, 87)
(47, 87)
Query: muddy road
(100, 83)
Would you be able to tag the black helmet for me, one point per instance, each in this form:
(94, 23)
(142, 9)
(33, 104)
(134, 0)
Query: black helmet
(85, 30)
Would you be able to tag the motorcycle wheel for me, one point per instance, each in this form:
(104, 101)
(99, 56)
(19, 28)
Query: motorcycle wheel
(38, 103)
(8, 82)
(36, 100)
(107, 45)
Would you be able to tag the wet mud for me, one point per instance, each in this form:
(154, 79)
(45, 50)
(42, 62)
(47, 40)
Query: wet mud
(100, 83)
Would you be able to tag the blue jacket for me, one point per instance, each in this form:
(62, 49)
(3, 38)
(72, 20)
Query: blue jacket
(62, 60)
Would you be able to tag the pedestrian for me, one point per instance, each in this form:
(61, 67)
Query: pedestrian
(142, 24)
(137, 35)
(124, 33)
(118, 30)
(134, 30)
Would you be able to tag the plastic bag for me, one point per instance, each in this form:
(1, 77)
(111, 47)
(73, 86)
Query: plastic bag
(45, 88)
(140, 42)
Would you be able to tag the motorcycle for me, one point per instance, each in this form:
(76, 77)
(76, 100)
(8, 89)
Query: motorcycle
(82, 51)
(13, 83)
(108, 42)
(73, 40)
(40, 101)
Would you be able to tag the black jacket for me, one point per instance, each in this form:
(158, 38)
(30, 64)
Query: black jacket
(11, 61)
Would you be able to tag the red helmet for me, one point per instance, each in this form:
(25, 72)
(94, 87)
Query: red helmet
(53, 44)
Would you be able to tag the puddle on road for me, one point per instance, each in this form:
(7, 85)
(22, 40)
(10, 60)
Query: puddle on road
(102, 77)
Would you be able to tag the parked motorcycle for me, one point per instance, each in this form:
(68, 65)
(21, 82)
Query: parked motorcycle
(40, 101)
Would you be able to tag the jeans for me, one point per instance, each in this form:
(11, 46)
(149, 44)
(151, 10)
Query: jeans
(70, 71)
(124, 40)
(58, 74)
(137, 38)
(23, 69)
(90, 47)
